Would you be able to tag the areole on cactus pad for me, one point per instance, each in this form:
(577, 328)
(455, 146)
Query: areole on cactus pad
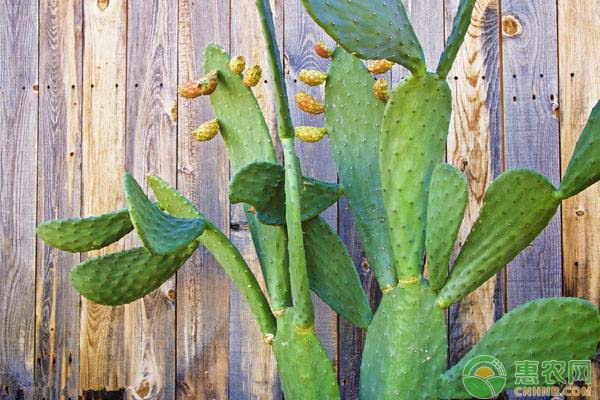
(407, 205)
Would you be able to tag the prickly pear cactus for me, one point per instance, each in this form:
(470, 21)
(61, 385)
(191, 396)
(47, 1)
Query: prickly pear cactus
(408, 205)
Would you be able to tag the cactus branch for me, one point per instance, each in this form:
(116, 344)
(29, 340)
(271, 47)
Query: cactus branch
(304, 313)
(221, 248)
(457, 36)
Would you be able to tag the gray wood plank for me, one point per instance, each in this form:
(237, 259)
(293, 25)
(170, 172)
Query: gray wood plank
(300, 34)
(151, 147)
(202, 175)
(59, 196)
(252, 368)
(531, 134)
(474, 146)
(18, 163)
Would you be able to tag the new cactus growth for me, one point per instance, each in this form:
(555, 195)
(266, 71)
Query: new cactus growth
(406, 202)
(323, 50)
(206, 131)
(310, 134)
(381, 89)
(312, 77)
(380, 66)
(252, 76)
(237, 64)
(308, 103)
(202, 87)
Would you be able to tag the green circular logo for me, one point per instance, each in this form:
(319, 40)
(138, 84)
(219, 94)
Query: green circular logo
(484, 377)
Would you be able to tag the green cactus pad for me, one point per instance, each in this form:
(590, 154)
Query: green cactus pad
(353, 118)
(85, 234)
(241, 121)
(160, 233)
(332, 275)
(445, 210)
(261, 184)
(120, 278)
(405, 348)
(584, 167)
(372, 29)
(560, 329)
(414, 130)
(247, 139)
(228, 257)
(457, 37)
(516, 208)
(305, 370)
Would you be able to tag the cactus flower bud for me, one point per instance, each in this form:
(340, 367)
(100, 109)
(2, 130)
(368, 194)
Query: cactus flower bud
(309, 104)
(203, 86)
(252, 76)
(206, 131)
(323, 50)
(312, 77)
(237, 64)
(310, 133)
(380, 66)
(381, 89)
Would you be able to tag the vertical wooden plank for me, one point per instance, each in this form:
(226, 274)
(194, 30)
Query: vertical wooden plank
(300, 34)
(203, 172)
(579, 65)
(252, 368)
(18, 163)
(102, 354)
(151, 147)
(531, 135)
(59, 188)
(474, 146)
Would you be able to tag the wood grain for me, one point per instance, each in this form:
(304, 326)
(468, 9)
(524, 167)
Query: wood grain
(202, 175)
(102, 357)
(579, 65)
(253, 372)
(59, 188)
(300, 34)
(151, 147)
(474, 146)
(18, 163)
(531, 135)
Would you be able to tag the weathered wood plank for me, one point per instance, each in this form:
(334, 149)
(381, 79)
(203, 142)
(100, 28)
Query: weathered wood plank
(474, 146)
(531, 135)
(202, 175)
(59, 188)
(579, 65)
(151, 147)
(18, 163)
(252, 368)
(301, 33)
(102, 365)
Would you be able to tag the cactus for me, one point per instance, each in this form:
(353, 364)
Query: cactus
(206, 131)
(252, 76)
(406, 202)
(237, 64)
(312, 77)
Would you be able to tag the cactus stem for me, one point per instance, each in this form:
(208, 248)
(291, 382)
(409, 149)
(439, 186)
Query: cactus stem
(388, 289)
(303, 308)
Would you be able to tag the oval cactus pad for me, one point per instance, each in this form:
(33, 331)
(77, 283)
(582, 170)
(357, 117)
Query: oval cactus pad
(371, 29)
(120, 278)
(160, 232)
(261, 184)
(85, 234)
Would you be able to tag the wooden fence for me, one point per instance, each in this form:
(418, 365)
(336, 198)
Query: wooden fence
(88, 90)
